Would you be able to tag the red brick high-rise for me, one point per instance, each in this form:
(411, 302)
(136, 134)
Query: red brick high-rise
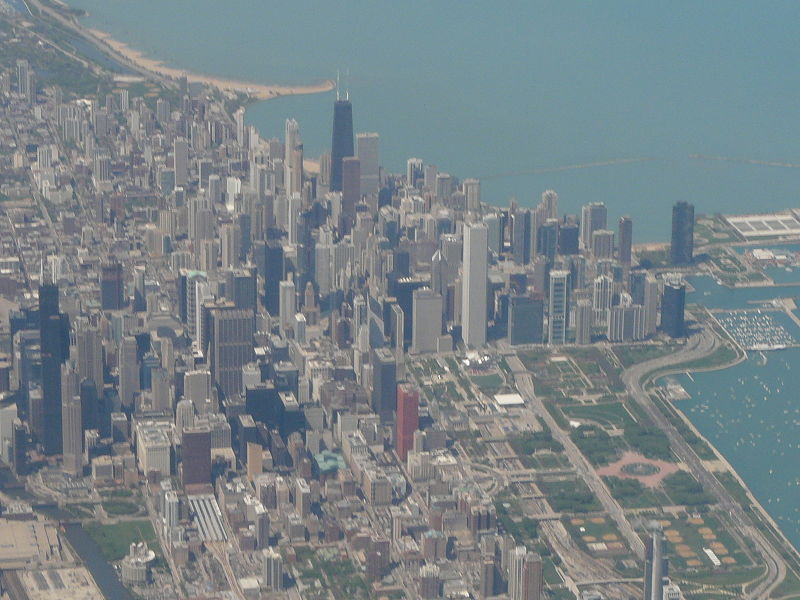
(407, 418)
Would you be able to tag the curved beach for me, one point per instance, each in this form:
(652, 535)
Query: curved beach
(259, 91)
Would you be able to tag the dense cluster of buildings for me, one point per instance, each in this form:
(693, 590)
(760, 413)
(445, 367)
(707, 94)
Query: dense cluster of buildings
(193, 307)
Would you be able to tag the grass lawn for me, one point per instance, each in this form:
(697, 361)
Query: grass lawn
(611, 414)
(630, 493)
(120, 507)
(596, 530)
(634, 354)
(685, 539)
(570, 496)
(115, 540)
(488, 384)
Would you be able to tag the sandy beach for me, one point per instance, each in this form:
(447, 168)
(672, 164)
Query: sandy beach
(259, 91)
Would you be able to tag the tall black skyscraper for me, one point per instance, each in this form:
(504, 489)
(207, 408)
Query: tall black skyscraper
(672, 306)
(525, 319)
(682, 246)
(342, 142)
(625, 240)
(384, 384)
(54, 332)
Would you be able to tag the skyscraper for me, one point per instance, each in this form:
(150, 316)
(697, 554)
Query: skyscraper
(72, 435)
(625, 240)
(407, 418)
(232, 346)
(384, 384)
(128, 371)
(53, 332)
(584, 316)
(547, 240)
(90, 354)
(351, 191)
(112, 287)
(673, 304)
(293, 159)
(288, 304)
(559, 308)
(368, 145)
(516, 570)
(525, 580)
(655, 564)
(682, 247)
(521, 236)
(273, 570)
(593, 217)
(525, 319)
(342, 142)
(602, 243)
(180, 153)
(274, 273)
(196, 455)
(474, 284)
(472, 192)
(427, 320)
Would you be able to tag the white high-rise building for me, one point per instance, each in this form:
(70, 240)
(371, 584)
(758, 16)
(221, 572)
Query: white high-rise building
(184, 415)
(593, 217)
(516, 572)
(300, 328)
(651, 296)
(474, 276)
(231, 240)
(293, 159)
(287, 306)
(368, 151)
(180, 151)
(427, 320)
(413, 170)
(558, 308)
(550, 204)
(602, 294)
(273, 570)
(294, 208)
(8, 414)
(172, 513)
(197, 388)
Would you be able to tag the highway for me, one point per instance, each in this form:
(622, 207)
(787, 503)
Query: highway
(699, 346)
(584, 469)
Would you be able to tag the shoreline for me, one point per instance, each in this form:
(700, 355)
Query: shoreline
(156, 69)
(258, 91)
(721, 459)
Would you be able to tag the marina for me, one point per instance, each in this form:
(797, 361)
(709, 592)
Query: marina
(759, 329)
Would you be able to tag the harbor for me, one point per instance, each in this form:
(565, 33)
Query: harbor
(759, 329)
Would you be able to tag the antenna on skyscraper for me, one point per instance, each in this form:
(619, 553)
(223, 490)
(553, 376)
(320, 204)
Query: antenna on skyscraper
(337, 84)
(347, 89)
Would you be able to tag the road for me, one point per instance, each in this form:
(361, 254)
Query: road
(584, 469)
(699, 346)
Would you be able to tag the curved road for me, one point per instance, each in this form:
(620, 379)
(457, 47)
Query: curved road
(697, 347)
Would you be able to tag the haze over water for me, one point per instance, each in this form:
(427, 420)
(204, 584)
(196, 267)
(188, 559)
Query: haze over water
(500, 91)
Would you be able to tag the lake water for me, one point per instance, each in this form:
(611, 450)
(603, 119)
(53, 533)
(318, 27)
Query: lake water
(506, 91)
(750, 411)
